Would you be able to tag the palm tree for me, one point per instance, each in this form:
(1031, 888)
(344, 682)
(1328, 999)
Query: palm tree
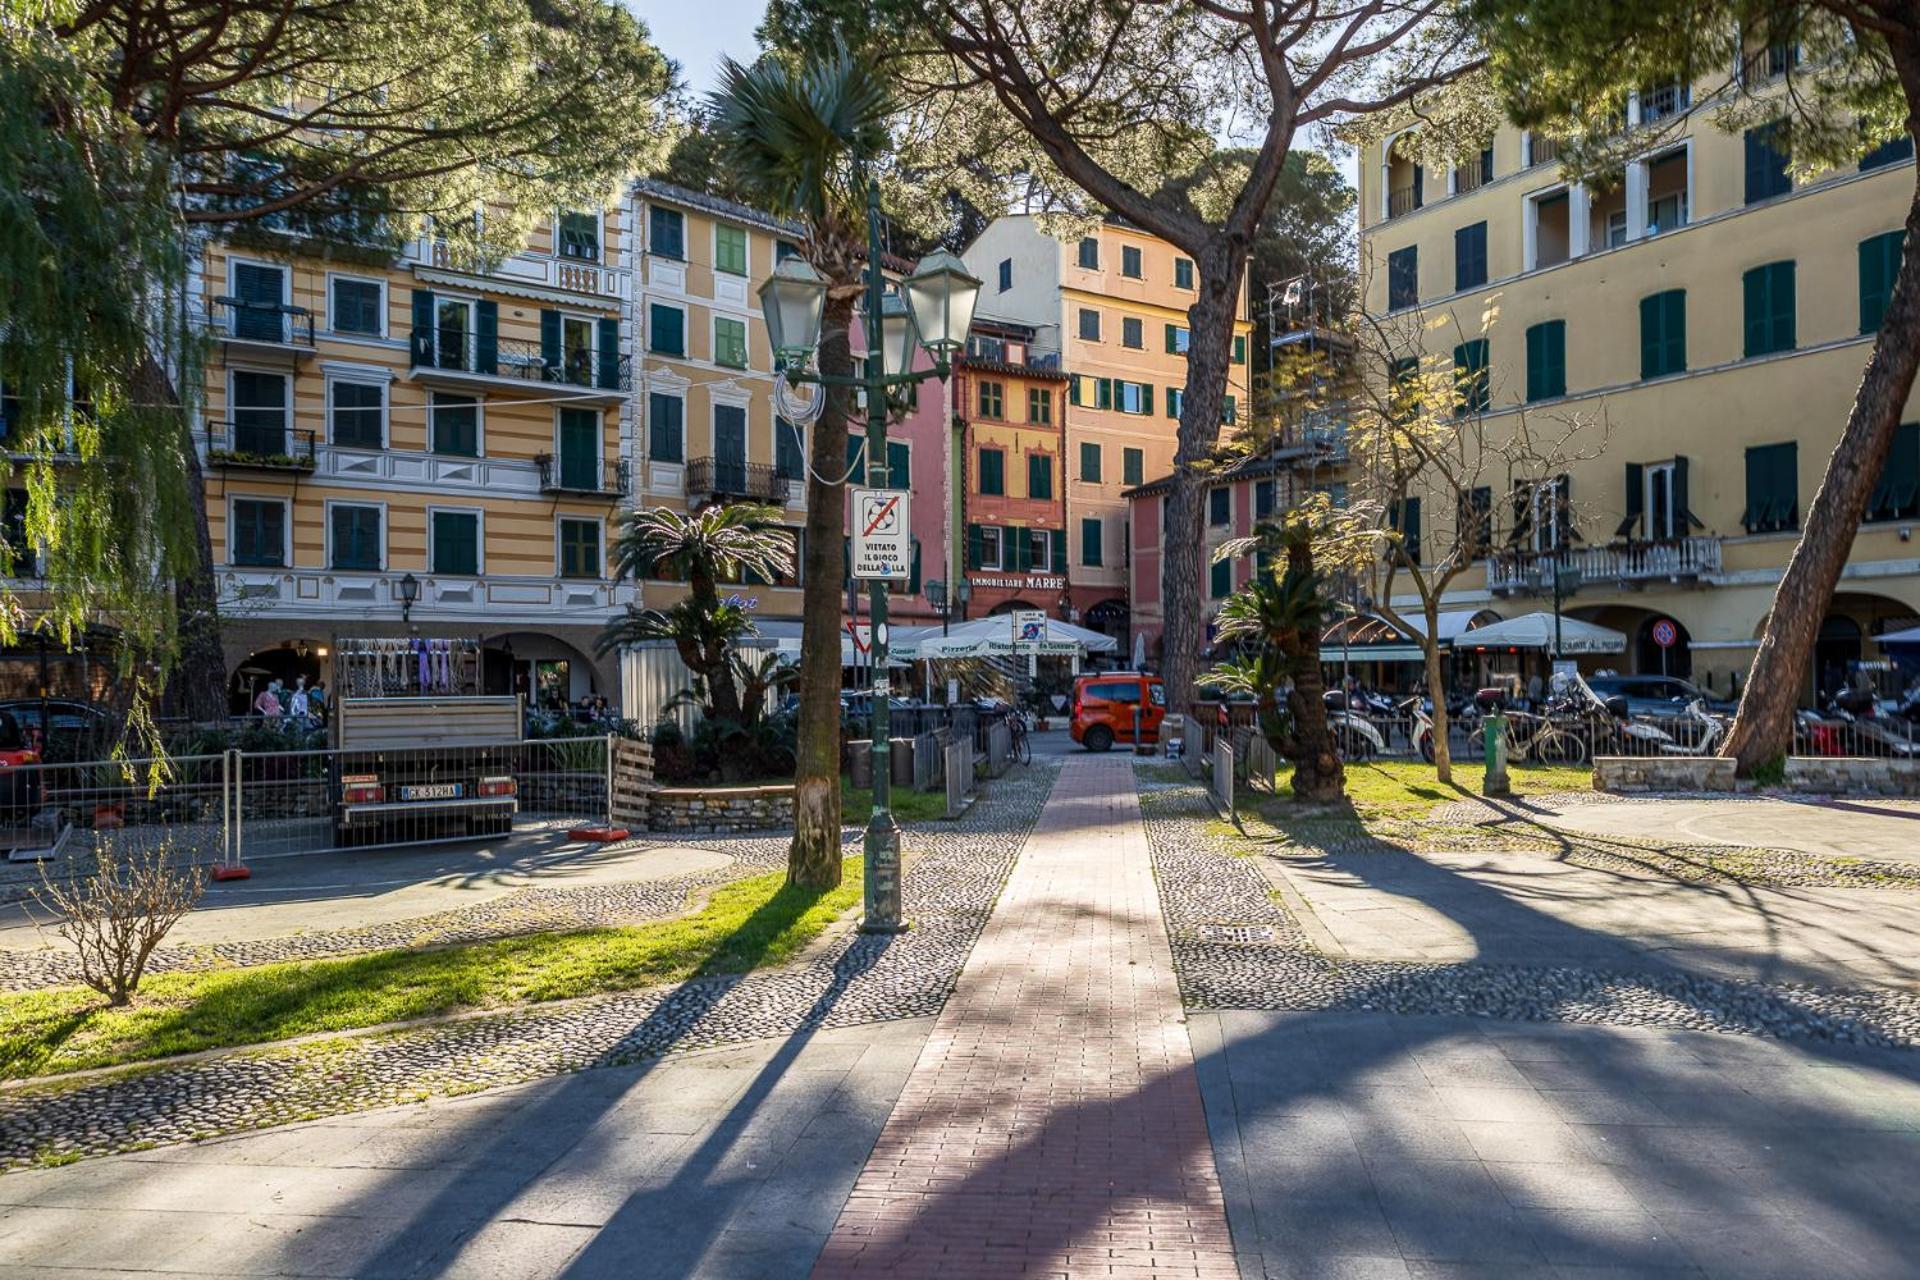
(715, 543)
(799, 137)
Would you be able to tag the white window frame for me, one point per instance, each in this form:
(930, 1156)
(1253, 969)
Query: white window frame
(386, 320)
(1182, 339)
(479, 424)
(286, 529)
(997, 561)
(286, 276)
(472, 303)
(281, 374)
(479, 515)
(1386, 172)
(593, 341)
(559, 552)
(599, 236)
(1043, 539)
(713, 248)
(1120, 388)
(386, 532)
(682, 213)
(386, 406)
(1644, 176)
(1647, 505)
(713, 340)
(1530, 224)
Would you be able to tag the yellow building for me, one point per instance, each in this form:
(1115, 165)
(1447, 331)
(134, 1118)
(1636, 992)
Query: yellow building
(1706, 324)
(704, 371)
(401, 441)
(1114, 302)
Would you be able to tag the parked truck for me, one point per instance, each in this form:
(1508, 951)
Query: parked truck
(421, 754)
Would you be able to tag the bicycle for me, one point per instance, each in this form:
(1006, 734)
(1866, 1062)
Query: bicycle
(1022, 747)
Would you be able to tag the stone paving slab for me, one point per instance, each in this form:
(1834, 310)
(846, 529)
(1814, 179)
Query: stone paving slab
(1878, 829)
(1052, 1126)
(727, 1163)
(1365, 1144)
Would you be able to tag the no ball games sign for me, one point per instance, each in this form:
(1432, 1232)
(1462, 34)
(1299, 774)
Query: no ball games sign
(882, 535)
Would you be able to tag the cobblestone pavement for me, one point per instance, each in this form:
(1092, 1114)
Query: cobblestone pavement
(1236, 946)
(535, 909)
(1053, 1124)
(954, 872)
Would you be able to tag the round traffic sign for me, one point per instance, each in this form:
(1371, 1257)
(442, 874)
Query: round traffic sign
(1665, 633)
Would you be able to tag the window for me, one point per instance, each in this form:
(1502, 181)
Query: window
(18, 559)
(258, 405)
(1130, 263)
(1879, 265)
(577, 361)
(1663, 333)
(357, 306)
(453, 331)
(1183, 273)
(1262, 499)
(1403, 278)
(1773, 488)
(1472, 377)
(993, 397)
(1220, 579)
(1092, 537)
(1090, 253)
(1040, 475)
(1897, 496)
(259, 536)
(1006, 274)
(1039, 549)
(1229, 411)
(1656, 501)
(1404, 518)
(1470, 257)
(1040, 406)
(856, 458)
(1475, 516)
(983, 546)
(1893, 151)
(666, 428)
(789, 450)
(1219, 506)
(667, 231)
(1547, 360)
(730, 342)
(455, 537)
(455, 422)
(1133, 397)
(579, 548)
(1177, 339)
(580, 236)
(1090, 461)
(1403, 388)
(1769, 309)
(579, 441)
(260, 292)
(1239, 348)
(1132, 332)
(355, 533)
(1542, 513)
(1132, 467)
(730, 249)
(1174, 397)
(666, 330)
(1089, 324)
(993, 472)
(358, 414)
(1767, 157)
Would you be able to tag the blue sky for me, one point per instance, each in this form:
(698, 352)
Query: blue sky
(698, 33)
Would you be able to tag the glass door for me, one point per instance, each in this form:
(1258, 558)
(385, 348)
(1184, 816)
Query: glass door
(259, 412)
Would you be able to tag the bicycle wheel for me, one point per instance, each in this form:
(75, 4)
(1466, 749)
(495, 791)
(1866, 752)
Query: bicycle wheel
(1023, 747)
(1560, 747)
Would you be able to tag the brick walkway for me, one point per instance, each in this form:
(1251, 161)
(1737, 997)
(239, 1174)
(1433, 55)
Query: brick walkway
(1053, 1124)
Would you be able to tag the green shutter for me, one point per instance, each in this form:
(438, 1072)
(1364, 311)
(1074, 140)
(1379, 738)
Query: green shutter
(975, 551)
(899, 465)
(1547, 360)
(550, 353)
(1879, 268)
(669, 330)
(1073, 389)
(1769, 299)
(1013, 549)
(422, 345)
(1132, 466)
(456, 549)
(609, 354)
(1092, 552)
(1663, 333)
(1220, 581)
(913, 579)
(1059, 539)
(1636, 499)
(1239, 348)
(1173, 339)
(1897, 495)
(1146, 397)
(856, 460)
(993, 472)
(486, 337)
(1103, 393)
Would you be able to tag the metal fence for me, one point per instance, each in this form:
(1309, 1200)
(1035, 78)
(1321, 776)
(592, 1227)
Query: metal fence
(929, 759)
(1223, 773)
(959, 775)
(999, 746)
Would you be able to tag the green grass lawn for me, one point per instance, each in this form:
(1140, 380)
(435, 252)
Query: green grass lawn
(744, 925)
(909, 806)
(1402, 789)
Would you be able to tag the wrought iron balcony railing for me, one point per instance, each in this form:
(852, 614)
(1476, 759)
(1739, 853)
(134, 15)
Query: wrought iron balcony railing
(586, 477)
(722, 478)
(271, 322)
(460, 351)
(255, 446)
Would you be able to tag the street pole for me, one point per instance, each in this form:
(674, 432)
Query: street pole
(880, 845)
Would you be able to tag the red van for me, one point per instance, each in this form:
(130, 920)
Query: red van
(1104, 706)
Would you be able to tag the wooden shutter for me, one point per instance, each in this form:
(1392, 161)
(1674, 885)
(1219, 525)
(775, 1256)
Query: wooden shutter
(1103, 393)
(422, 341)
(913, 579)
(550, 355)
(976, 552)
(1879, 267)
(1058, 537)
(1635, 482)
(899, 465)
(856, 460)
(1683, 513)
(486, 337)
(1173, 339)
(1410, 528)
(609, 340)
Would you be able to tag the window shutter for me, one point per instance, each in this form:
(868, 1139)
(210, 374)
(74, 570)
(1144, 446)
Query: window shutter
(1058, 537)
(856, 461)
(846, 560)
(913, 579)
(1173, 340)
(486, 337)
(1522, 500)
(1013, 549)
(975, 552)
(609, 339)
(1651, 312)
(1673, 328)
(1146, 397)
(550, 343)
(422, 342)
(1879, 268)
(1410, 529)
(1636, 500)
(1073, 389)
(1103, 393)
(1563, 508)
(899, 465)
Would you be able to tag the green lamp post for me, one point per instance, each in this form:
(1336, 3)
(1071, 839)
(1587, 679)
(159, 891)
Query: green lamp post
(932, 309)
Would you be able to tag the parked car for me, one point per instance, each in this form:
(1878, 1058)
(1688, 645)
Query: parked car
(1658, 696)
(1104, 704)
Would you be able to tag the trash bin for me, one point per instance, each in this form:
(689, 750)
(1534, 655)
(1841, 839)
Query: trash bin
(902, 761)
(860, 762)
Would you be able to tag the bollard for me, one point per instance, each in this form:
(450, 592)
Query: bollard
(1494, 731)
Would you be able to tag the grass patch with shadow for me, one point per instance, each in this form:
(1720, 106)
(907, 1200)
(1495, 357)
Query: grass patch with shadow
(745, 925)
(909, 806)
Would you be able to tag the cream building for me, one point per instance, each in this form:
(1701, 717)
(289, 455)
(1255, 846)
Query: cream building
(1708, 322)
(1115, 303)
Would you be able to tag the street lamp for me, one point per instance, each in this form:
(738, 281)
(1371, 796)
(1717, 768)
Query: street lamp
(934, 307)
(409, 596)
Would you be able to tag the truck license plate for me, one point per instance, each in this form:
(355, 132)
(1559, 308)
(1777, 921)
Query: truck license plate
(431, 791)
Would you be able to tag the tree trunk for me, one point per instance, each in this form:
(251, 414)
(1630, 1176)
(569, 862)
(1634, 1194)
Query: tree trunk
(1763, 728)
(1318, 774)
(199, 682)
(813, 860)
(1437, 692)
(1183, 555)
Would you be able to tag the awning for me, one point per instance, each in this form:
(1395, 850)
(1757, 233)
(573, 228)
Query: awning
(1372, 653)
(1368, 637)
(1536, 631)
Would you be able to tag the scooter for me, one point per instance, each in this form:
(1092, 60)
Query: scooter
(1359, 738)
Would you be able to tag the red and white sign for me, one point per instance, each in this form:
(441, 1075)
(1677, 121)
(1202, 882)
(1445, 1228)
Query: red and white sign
(1665, 633)
(862, 633)
(882, 537)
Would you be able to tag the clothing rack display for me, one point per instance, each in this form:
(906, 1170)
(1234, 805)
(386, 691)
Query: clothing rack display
(407, 667)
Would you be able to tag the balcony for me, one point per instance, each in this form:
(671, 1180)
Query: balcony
(1403, 200)
(721, 479)
(249, 446)
(1542, 150)
(583, 477)
(1664, 103)
(1010, 353)
(269, 330)
(1620, 564)
(456, 359)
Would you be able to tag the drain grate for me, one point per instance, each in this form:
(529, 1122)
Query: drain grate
(1243, 934)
